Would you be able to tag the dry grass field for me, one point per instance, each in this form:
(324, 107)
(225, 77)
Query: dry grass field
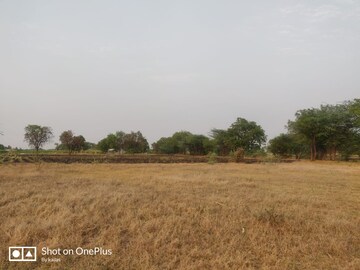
(184, 216)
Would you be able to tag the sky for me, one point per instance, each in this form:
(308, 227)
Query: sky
(96, 67)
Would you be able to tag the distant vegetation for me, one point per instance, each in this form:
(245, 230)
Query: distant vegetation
(71, 143)
(242, 134)
(120, 141)
(36, 136)
(325, 131)
(330, 131)
(183, 142)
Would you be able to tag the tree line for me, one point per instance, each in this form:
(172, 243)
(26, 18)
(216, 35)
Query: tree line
(329, 131)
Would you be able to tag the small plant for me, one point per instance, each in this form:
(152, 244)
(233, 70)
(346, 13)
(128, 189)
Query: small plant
(10, 157)
(212, 158)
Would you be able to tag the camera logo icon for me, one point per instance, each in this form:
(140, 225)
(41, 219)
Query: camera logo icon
(22, 254)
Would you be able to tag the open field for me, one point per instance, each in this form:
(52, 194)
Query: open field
(300, 215)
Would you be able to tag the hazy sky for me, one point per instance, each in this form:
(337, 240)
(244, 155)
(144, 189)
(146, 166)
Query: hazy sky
(96, 67)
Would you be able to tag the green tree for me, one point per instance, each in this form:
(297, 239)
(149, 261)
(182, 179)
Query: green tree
(78, 143)
(90, 145)
(338, 128)
(309, 124)
(327, 130)
(286, 145)
(36, 136)
(354, 109)
(165, 145)
(66, 140)
(110, 142)
(221, 140)
(199, 145)
(351, 144)
(246, 135)
(119, 141)
(134, 142)
(184, 142)
(182, 138)
(71, 143)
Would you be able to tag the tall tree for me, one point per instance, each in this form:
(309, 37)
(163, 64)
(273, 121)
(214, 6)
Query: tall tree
(246, 135)
(71, 142)
(241, 134)
(66, 139)
(199, 145)
(110, 142)
(338, 128)
(352, 143)
(287, 145)
(327, 130)
(354, 108)
(78, 143)
(221, 139)
(183, 142)
(308, 123)
(135, 142)
(120, 141)
(182, 139)
(36, 136)
(165, 145)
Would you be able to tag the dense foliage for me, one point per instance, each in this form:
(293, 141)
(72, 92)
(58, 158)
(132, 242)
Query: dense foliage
(287, 145)
(242, 134)
(72, 143)
(327, 132)
(183, 142)
(120, 141)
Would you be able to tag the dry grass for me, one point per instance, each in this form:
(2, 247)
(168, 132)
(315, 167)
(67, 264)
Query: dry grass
(185, 216)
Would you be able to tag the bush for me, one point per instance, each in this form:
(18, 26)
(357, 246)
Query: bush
(212, 158)
(239, 155)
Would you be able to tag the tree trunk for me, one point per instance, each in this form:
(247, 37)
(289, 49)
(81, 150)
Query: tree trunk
(313, 149)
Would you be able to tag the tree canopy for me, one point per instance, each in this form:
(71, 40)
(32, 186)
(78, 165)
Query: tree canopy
(71, 142)
(183, 142)
(287, 145)
(133, 142)
(244, 134)
(36, 136)
(328, 129)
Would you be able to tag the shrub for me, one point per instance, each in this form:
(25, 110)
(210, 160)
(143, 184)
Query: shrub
(212, 158)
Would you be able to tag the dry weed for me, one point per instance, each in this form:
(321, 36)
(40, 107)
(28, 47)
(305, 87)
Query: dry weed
(185, 216)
